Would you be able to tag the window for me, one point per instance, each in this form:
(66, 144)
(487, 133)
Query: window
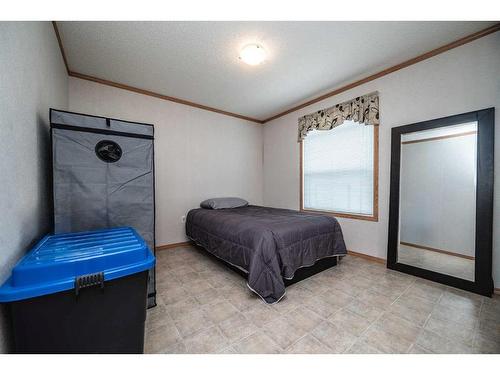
(340, 171)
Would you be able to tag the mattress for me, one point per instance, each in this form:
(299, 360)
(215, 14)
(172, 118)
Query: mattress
(269, 244)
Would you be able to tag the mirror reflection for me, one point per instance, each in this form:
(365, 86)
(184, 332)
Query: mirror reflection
(438, 200)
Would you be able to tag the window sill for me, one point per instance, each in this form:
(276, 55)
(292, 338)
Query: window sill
(343, 215)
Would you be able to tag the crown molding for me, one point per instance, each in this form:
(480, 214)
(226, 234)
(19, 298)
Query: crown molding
(61, 47)
(159, 96)
(122, 86)
(457, 43)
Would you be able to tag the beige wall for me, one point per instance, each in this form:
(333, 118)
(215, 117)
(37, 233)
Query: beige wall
(32, 79)
(198, 154)
(463, 79)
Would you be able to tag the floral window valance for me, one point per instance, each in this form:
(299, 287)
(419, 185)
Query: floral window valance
(363, 109)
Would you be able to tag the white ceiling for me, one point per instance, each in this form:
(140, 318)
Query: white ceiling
(198, 61)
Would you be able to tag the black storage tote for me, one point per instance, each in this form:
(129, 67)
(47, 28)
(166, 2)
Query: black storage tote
(80, 293)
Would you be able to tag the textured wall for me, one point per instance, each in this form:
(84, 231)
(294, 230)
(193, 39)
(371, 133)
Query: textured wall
(32, 79)
(464, 79)
(198, 154)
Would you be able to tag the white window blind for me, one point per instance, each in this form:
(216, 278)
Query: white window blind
(338, 169)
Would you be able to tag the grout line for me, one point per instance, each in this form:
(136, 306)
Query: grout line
(361, 336)
(476, 325)
(358, 339)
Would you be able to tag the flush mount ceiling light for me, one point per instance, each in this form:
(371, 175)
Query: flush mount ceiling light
(252, 54)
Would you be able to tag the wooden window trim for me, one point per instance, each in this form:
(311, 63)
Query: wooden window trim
(464, 134)
(374, 216)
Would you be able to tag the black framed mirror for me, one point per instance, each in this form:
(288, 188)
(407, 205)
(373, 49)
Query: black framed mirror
(441, 200)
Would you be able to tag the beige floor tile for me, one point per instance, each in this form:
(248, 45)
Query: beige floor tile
(412, 315)
(361, 281)
(161, 338)
(209, 297)
(188, 278)
(392, 276)
(205, 307)
(191, 323)
(425, 289)
(228, 350)
(183, 270)
(219, 312)
(218, 281)
(298, 293)
(352, 322)
(172, 295)
(490, 311)
(304, 318)
(196, 287)
(440, 345)
(464, 303)
(308, 345)
(182, 308)
(450, 330)
(335, 337)
(349, 288)
(398, 326)
(336, 298)
(467, 319)
(321, 307)
(237, 327)
(167, 282)
(415, 303)
(261, 314)
(157, 317)
(200, 266)
(382, 340)
(286, 305)
(242, 298)
(391, 291)
(365, 310)
(179, 347)
(257, 343)
(490, 328)
(315, 286)
(416, 349)
(283, 332)
(485, 344)
(362, 347)
(376, 299)
(209, 340)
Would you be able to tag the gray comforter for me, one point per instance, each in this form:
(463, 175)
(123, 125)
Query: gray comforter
(268, 243)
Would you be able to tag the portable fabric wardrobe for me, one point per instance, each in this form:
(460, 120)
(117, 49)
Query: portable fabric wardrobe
(103, 176)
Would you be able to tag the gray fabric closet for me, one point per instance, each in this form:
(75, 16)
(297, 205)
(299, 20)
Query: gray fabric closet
(103, 176)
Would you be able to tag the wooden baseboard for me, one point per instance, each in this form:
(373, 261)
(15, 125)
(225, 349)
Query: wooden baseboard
(367, 257)
(496, 291)
(422, 247)
(172, 245)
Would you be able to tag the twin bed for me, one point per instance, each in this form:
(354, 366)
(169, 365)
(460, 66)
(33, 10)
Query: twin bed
(272, 247)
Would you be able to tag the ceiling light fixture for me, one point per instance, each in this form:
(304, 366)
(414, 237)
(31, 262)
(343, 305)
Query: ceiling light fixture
(252, 54)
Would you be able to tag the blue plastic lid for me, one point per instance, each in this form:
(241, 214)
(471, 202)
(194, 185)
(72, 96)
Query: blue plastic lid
(54, 263)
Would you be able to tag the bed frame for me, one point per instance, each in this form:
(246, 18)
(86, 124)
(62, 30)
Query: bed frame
(301, 274)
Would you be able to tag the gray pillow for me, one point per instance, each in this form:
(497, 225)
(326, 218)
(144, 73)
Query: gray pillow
(218, 203)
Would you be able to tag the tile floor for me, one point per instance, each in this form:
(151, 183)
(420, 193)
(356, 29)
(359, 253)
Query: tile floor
(356, 307)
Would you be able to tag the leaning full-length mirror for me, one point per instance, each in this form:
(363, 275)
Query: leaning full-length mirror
(441, 200)
(438, 199)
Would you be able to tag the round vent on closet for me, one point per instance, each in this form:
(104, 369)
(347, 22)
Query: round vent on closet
(108, 151)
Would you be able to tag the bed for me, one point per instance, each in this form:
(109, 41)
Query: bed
(269, 245)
